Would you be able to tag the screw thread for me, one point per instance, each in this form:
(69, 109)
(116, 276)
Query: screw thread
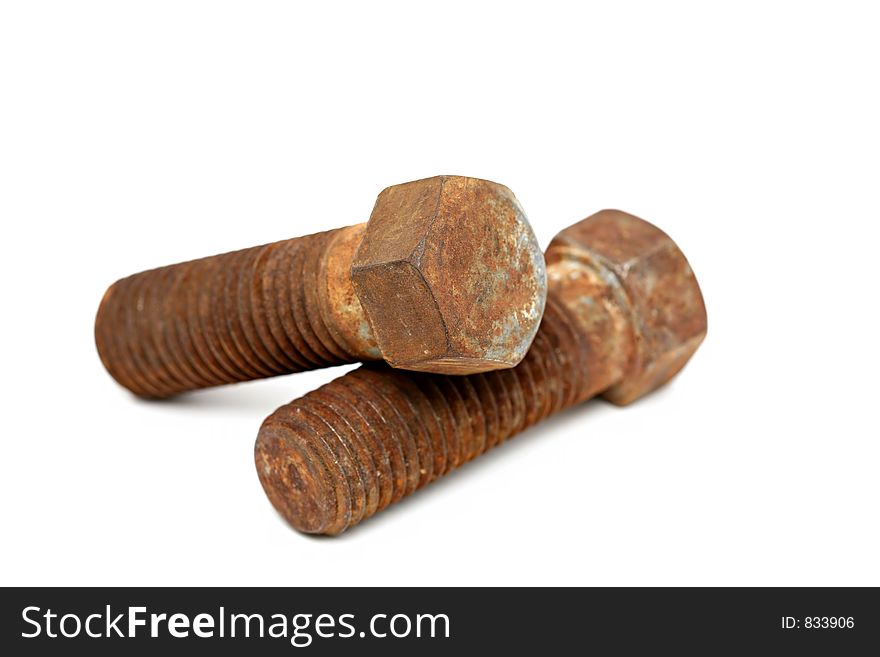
(233, 317)
(363, 441)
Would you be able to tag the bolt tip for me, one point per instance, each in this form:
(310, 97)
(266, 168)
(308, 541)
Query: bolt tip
(294, 477)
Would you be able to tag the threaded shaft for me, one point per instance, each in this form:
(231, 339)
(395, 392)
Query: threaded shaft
(363, 441)
(242, 315)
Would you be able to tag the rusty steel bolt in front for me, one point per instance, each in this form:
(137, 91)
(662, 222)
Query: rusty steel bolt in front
(624, 314)
(446, 276)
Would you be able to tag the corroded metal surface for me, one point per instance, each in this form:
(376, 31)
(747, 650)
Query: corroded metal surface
(234, 317)
(649, 280)
(292, 305)
(468, 304)
(624, 313)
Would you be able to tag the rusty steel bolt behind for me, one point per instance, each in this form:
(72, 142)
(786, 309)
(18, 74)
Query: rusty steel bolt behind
(624, 314)
(446, 276)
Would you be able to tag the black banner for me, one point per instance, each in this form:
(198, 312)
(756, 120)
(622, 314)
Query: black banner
(438, 621)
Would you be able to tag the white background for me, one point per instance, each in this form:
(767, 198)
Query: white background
(134, 135)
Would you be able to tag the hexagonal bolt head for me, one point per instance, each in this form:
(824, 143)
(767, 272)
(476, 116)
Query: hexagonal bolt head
(649, 278)
(450, 276)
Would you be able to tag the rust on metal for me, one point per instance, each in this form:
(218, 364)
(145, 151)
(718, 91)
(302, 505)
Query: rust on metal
(624, 313)
(650, 288)
(437, 304)
(446, 276)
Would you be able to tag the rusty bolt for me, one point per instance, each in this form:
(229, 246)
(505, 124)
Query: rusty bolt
(624, 314)
(446, 276)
